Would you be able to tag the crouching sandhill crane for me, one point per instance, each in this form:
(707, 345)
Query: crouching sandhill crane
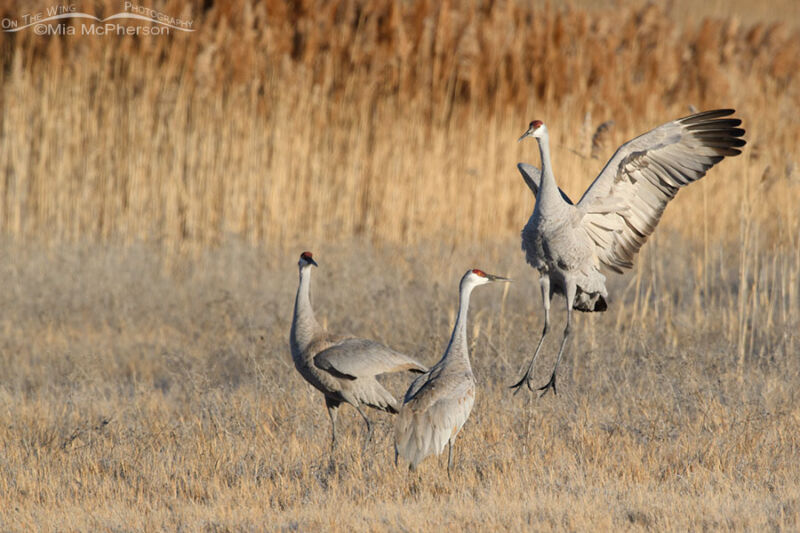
(439, 402)
(342, 368)
(567, 243)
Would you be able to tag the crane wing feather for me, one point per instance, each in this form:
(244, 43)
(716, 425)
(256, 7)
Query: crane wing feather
(625, 202)
(354, 358)
(426, 379)
(433, 416)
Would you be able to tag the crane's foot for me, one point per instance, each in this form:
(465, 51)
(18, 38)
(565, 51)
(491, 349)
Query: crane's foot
(526, 380)
(550, 385)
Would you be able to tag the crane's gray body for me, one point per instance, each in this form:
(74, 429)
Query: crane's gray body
(342, 368)
(567, 243)
(559, 248)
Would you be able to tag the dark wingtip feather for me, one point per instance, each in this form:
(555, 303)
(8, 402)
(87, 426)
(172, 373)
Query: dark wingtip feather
(717, 133)
(714, 124)
(707, 115)
(721, 134)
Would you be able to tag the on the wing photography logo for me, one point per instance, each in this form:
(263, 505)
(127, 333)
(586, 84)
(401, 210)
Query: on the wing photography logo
(51, 21)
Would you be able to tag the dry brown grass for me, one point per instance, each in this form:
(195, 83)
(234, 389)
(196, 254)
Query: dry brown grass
(145, 389)
(657, 424)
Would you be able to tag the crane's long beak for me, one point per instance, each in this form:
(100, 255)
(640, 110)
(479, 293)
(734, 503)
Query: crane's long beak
(492, 277)
(311, 261)
(526, 134)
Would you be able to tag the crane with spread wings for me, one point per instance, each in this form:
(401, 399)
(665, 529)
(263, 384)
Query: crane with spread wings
(567, 242)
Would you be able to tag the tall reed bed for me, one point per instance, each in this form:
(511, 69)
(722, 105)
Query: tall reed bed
(389, 121)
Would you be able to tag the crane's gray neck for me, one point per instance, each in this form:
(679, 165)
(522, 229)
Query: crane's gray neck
(458, 340)
(304, 324)
(548, 191)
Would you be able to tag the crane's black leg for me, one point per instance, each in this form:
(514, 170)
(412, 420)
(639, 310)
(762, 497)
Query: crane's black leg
(449, 457)
(333, 411)
(369, 426)
(544, 282)
(571, 290)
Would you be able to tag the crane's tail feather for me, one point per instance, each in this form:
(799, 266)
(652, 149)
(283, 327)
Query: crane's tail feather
(417, 436)
(590, 302)
(372, 393)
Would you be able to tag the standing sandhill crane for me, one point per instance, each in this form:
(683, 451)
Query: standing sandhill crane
(439, 402)
(342, 368)
(567, 243)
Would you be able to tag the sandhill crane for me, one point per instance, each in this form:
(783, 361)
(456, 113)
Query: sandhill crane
(567, 243)
(342, 368)
(439, 402)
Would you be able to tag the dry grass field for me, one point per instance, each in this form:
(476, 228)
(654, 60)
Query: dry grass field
(136, 399)
(155, 194)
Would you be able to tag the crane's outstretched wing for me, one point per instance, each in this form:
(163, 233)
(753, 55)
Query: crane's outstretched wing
(533, 177)
(624, 203)
(354, 358)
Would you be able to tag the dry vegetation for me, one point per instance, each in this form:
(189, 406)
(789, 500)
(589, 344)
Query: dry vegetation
(390, 121)
(155, 193)
(137, 399)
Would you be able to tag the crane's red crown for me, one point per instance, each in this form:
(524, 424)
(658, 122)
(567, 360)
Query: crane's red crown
(536, 124)
(306, 255)
(480, 273)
